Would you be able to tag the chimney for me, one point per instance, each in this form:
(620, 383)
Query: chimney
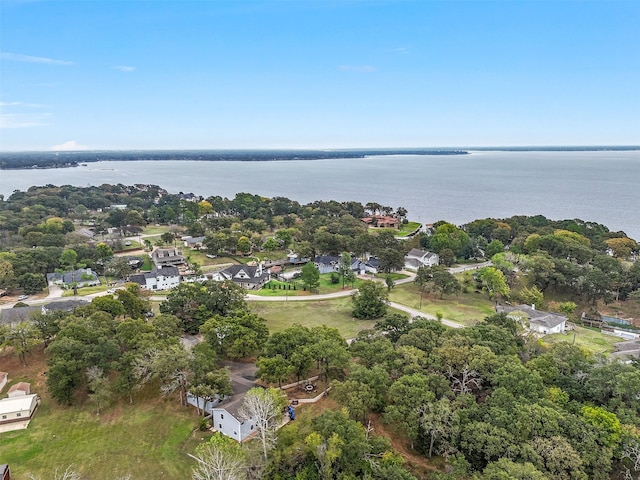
(533, 306)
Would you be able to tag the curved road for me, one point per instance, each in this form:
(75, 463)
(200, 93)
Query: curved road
(55, 293)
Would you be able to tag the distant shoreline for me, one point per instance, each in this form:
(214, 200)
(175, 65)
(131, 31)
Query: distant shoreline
(44, 160)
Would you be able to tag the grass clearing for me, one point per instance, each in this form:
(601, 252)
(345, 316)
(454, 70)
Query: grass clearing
(465, 308)
(86, 290)
(334, 313)
(155, 229)
(591, 340)
(147, 439)
(407, 228)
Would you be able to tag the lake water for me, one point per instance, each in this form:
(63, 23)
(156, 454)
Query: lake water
(599, 186)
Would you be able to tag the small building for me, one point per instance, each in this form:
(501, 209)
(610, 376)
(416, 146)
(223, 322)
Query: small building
(382, 221)
(13, 316)
(63, 305)
(4, 378)
(417, 258)
(17, 411)
(164, 278)
(85, 232)
(326, 263)
(541, 322)
(167, 257)
(20, 389)
(193, 242)
(82, 277)
(247, 276)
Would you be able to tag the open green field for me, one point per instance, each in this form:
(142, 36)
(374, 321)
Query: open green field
(465, 308)
(155, 229)
(325, 287)
(86, 290)
(407, 228)
(332, 313)
(146, 441)
(591, 340)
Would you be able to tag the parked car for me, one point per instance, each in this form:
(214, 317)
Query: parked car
(22, 297)
(209, 255)
(111, 290)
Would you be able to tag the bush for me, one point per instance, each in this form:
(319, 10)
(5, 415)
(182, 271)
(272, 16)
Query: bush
(335, 278)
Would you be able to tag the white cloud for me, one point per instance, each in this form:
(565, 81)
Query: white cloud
(70, 146)
(17, 57)
(358, 68)
(124, 68)
(23, 120)
(20, 104)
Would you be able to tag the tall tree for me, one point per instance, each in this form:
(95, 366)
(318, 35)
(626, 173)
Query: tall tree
(264, 407)
(370, 301)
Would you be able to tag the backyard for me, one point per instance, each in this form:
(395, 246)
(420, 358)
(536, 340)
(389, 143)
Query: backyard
(147, 439)
(332, 313)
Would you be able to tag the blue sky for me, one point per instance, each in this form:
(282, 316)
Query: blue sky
(318, 74)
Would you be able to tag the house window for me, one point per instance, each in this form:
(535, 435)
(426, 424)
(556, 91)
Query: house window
(18, 414)
(251, 427)
(222, 416)
(4, 417)
(220, 426)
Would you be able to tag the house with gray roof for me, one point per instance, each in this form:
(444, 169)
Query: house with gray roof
(539, 321)
(82, 277)
(193, 242)
(249, 277)
(326, 263)
(164, 278)
(167, 257)
(13, 316)
(417, 258)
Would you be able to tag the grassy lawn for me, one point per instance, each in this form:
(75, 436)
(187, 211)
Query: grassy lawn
(407, 228)
(147, 439)
(155, 230)
(86, 290)
(332, 313)
(394, 276)
(591, 340)
(325, 287)
(466, 308)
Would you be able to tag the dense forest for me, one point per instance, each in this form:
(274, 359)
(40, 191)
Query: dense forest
(488, 401)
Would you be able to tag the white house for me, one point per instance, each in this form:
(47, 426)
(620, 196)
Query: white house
(417, 258)
(20, 389)
(82, 277)
(17, 411)
(164, 278)
(539, 321)
(250, 277)
(4, 376)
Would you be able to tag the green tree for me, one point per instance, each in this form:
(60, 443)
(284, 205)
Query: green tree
(244, 245)
(494, 282)
(274, 369)
(344, 269)
(32, 282)
(370, 301)
(310, 276)
(495, 246)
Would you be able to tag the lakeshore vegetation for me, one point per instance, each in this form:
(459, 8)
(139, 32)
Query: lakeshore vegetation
(407, 398)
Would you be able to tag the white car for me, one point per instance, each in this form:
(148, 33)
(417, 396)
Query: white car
(22, 297)
(111, 290)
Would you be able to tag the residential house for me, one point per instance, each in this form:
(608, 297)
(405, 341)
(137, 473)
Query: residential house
(13, 316)
(627, 350)
(82, 277)
(362, 267)
(382, 221)
(326, 263)
(19, 389)
(417, 258)
(193, 242)
(17, 411)
(167, 257)
(249, 277)
(85, 232)
(164, 278)
(539, 321)
(119, 206)
(5, 472)
(63, 305)
(294, 259)
(225, 417)
(4, 377)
